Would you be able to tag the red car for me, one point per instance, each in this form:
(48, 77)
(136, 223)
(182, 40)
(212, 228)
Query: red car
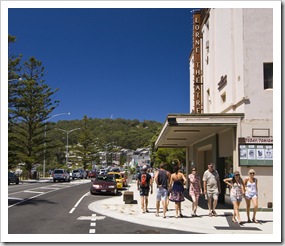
(104, 184)
(92, 174)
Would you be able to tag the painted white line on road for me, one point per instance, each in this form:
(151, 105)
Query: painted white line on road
(75, 206)
(93, 224)
(92, 231)
(31, 191)
(49, 188)
(15, 198)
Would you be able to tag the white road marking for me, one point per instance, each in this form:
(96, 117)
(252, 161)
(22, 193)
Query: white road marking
(92, 224)
(48, 188)
(75, 206)
(39, 194)
(15, 198)
(92, 231)
(31, 191)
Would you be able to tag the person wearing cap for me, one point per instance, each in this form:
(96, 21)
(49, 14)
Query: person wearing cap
(144, 189)
(236, 194)
(212, 188)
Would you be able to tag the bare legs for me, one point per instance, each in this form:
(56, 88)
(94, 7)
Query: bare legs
(236, 212)
(178, 209)
(212, 207)
(144, 203)
(194, 204)
(158, 206)
(255, 206)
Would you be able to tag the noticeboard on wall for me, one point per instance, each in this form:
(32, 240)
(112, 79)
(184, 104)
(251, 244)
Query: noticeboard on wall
(256, 154)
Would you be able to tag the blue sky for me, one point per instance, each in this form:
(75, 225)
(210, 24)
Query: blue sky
(119, 63)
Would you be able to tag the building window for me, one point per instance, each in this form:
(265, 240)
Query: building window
(268, 75)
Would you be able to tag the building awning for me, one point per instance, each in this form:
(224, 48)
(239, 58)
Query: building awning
(182, 130)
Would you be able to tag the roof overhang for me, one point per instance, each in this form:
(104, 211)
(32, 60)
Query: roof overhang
(182, 130)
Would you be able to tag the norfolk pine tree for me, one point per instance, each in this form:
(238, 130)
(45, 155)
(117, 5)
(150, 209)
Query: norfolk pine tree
(31, 105)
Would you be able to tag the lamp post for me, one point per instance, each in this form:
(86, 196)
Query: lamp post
(44, 164)
(67, 133)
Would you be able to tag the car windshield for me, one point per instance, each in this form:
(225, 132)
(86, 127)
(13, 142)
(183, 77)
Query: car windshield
(75, 171)
(58, 171)
(117, 176)
(106, 178)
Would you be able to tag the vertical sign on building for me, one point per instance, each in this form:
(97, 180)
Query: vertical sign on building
(197, 63)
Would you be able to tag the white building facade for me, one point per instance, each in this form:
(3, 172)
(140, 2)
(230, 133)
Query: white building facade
(231, 98)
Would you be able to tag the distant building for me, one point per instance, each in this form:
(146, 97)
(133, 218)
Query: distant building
(231, 97)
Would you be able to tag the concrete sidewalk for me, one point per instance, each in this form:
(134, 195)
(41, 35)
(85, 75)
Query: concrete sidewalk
(115, 207)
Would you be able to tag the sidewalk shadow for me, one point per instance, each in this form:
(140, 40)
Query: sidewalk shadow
(204, 203)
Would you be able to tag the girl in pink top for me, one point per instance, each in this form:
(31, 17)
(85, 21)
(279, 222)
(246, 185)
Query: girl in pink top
(195, 190)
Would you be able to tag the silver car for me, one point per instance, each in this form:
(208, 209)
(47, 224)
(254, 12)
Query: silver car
(61, 174)
(79, 174)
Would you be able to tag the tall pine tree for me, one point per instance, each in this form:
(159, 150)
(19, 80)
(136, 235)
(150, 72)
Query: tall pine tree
(30, 105)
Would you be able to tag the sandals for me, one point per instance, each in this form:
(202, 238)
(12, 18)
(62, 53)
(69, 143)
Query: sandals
(156, 214)
(234, 220)
(255, 221)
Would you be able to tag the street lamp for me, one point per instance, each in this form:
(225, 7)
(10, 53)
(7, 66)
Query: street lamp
(19, 79)
(67, 133)
(44, 164)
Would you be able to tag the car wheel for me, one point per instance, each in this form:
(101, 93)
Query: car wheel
(54, 180)
(8, 181)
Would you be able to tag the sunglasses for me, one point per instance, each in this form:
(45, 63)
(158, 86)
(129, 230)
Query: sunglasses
(251, 173)
(193, 169)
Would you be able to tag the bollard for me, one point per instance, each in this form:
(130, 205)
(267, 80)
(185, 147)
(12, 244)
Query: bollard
(128, 197)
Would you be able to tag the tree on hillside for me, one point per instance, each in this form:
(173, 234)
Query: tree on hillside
(31, 105)
(85, 148)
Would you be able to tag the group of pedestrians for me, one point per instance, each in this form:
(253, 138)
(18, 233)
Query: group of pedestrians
(170, 187)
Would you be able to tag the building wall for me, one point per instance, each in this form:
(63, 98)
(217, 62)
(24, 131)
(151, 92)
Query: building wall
(235, 44)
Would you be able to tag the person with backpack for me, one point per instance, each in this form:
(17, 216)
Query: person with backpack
(144, 184)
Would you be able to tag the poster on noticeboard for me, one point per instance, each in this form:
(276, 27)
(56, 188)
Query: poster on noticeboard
(255, 152)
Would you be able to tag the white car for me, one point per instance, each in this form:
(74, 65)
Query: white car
(79, 174)
(61, 174)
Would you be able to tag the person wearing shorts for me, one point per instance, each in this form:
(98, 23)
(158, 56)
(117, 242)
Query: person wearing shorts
(144, 190)
(237, 192)
(251, 194)
(162, 178)
(212, 188)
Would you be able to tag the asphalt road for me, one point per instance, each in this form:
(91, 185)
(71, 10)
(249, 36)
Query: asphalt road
(62, 208)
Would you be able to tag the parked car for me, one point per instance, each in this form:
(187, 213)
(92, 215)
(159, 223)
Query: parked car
(92, 173)
(12, 178)
(61, 174)
(104, 184)
(119, 179)
(103, 172)
(125, 179)
(79, 174)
